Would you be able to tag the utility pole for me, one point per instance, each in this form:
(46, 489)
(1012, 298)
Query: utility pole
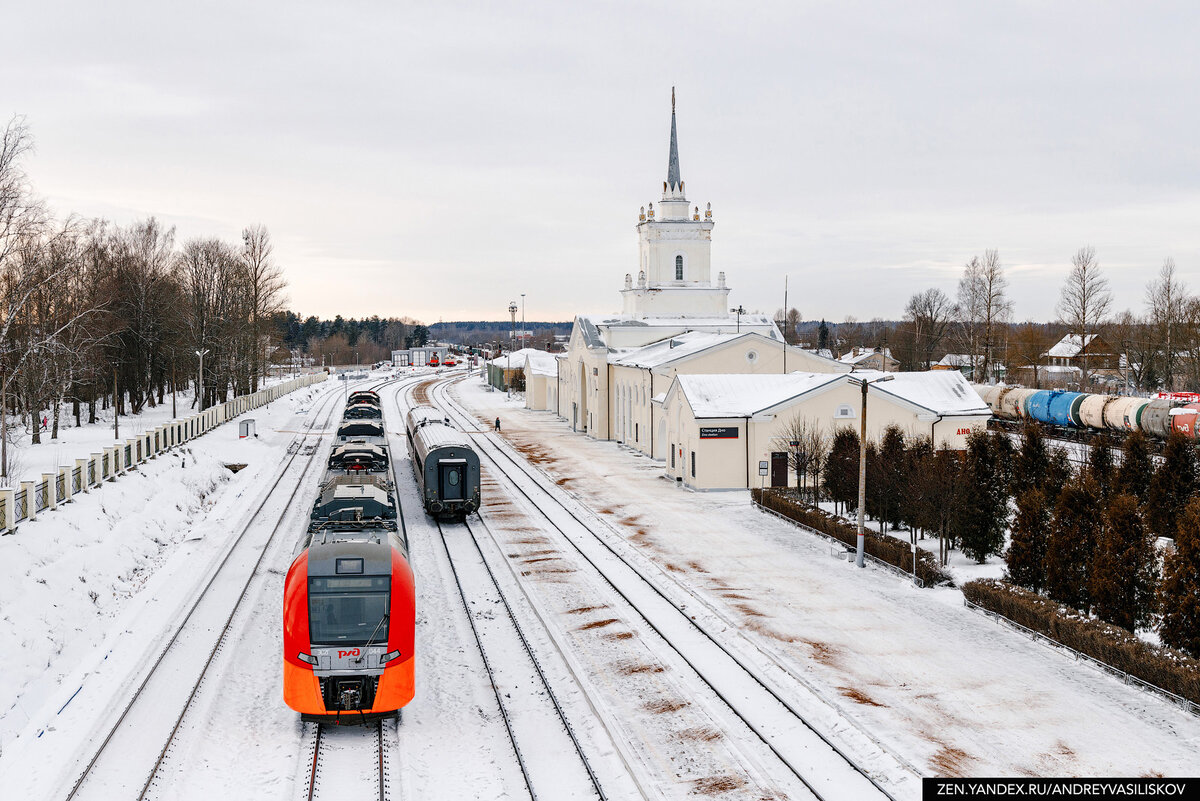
(523, 319)
(785, 322)
(740, 311)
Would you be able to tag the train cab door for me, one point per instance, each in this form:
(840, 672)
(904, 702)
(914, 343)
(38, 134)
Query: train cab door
(451, 476)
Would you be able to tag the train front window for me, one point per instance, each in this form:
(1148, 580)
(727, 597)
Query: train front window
(349, 615)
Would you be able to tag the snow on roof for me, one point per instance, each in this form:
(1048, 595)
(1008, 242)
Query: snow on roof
(958, 360)
(742, 395)
(542, 364)
(522, 357)
(672, 348)
(860, 355)
(944, 393)
(591, 323)
(1070, 345)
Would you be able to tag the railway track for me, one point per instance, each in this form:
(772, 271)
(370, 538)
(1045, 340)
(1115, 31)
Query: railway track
(356, 757)
(825, 769)
(528, 704)
(123, 765)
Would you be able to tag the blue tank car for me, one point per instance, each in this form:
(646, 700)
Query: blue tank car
(1056, 407)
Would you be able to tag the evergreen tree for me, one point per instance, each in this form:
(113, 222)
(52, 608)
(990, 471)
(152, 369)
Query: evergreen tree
(1124, 572)
(1100, 462)
(916, 494)
(1057, 474)
(1078, 516)
(1133, 476)
(1180, 595)
(983, 511)
(1006, 458)
(893, 472)
(822, 336)
(1173, 485)
(1032, 461)
(841, 468)
(1026, 555)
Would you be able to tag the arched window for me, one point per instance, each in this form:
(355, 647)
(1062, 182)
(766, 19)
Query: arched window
(679, 268)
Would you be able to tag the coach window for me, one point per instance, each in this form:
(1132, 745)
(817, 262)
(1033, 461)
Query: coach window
(679, 268)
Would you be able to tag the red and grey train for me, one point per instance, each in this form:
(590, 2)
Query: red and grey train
(349, 597)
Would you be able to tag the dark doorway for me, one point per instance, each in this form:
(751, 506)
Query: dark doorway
(779, 467)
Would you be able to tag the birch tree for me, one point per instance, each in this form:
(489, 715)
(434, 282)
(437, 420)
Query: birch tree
(1084, 303)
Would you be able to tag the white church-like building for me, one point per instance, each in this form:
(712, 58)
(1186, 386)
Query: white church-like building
(620, 378)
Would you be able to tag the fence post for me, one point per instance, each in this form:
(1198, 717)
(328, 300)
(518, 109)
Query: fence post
(7, 512)
(51, 491)
(82, 465)
(30, 488)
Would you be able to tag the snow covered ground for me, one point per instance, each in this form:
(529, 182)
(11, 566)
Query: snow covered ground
(28, 461)
(940, 687)
(905, 681)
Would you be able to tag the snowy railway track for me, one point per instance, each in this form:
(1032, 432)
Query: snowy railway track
(341, 752)
(825, 769)
(528, 705)
(127, 749)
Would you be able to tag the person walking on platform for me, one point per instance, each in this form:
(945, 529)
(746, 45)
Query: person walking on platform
(497, 425)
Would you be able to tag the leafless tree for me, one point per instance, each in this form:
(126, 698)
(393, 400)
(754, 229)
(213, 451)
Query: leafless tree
(806, 443)
(1166, 304)
(983, 308)
(265, 284)
(930, 313)
(1084, 303)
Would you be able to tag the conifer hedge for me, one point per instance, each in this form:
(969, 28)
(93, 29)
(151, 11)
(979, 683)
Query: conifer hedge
(1163, 667)
(892, 550)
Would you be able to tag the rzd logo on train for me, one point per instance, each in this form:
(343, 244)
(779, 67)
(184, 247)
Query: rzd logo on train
(351, 652)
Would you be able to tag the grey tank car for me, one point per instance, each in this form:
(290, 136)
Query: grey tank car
(445, 463)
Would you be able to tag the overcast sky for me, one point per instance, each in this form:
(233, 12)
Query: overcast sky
(437, 159)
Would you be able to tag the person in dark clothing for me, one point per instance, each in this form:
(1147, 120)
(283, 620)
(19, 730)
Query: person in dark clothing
(497, 423)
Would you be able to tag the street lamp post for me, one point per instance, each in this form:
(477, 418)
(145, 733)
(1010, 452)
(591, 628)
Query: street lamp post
(200, 383)
(739, 311)
(522, 319)
(860, 559)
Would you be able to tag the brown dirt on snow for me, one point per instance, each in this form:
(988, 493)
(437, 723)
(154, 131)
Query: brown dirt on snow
(663, 706)
(597, 624)
(859, 697)
(582, 609)
(823, 652)
(950, 762)
(715, 785)
(759, 627)
(635, 668)
(700, 734)
(619, 635)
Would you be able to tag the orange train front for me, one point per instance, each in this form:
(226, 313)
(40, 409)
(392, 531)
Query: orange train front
(348, 616)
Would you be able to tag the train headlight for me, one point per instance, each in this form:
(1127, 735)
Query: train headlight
(309, 658)
(383, 660)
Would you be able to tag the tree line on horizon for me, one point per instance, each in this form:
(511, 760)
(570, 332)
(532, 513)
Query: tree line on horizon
(1162, 343)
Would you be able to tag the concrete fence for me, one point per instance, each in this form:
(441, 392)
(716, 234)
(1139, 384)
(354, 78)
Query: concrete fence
(30, 498)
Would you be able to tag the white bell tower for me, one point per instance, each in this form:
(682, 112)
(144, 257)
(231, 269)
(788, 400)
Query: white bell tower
(675, 268)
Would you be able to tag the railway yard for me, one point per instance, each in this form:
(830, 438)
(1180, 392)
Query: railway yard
(592, 632)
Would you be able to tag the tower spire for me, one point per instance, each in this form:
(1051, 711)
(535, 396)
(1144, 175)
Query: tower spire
(673, 182)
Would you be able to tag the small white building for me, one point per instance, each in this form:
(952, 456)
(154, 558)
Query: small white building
(720, 427)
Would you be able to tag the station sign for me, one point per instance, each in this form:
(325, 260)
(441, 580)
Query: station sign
(719, 432)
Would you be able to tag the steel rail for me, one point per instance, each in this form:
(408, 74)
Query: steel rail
(183, 623)
(380, 762)
(446, 405)
(587, 766)
(487, 665)
(232, 548)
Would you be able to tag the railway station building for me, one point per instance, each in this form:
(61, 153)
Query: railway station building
(675, 319)
(721, 428)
